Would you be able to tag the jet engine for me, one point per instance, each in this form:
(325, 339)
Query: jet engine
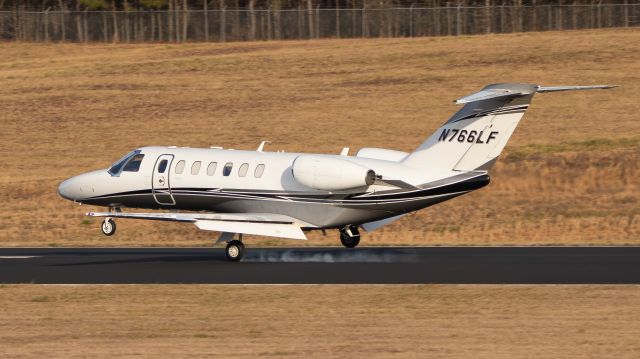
(331, 174)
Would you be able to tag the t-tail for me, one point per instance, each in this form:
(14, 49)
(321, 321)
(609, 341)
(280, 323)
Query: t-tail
(474, 137)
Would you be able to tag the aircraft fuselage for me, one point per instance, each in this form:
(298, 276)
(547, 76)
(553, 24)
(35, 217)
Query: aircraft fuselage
(234, 181)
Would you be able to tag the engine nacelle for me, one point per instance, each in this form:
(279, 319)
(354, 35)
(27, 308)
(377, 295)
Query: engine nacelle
(381, 154)
(331, 174)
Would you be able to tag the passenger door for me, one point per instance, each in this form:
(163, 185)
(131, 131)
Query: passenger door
(160, 181)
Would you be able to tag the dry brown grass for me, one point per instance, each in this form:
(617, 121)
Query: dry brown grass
(71, 108)
(421, 321)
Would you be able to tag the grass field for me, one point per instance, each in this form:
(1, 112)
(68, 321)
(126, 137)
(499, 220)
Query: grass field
(570, 174)
(425, 321)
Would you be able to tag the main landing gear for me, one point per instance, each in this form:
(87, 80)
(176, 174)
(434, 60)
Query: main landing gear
(235, 250)
(350, 236)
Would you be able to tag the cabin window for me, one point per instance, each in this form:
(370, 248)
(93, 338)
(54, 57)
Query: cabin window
(180, 167)
(227, 169)
(162, 166)
(243, 170)
(134, 163)
(195, 168)
(211, 169)
(259, 171)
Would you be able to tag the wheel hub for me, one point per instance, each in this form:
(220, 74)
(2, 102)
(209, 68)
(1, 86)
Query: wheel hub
(233, 251)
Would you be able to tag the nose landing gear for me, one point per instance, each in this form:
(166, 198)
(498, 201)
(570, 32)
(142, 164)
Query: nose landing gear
(350, 236)
(108, 227)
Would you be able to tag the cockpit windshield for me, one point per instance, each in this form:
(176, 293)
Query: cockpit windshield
(133, 165)
(116, 168)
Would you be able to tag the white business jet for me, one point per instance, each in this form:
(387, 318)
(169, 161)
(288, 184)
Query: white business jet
(284, 194)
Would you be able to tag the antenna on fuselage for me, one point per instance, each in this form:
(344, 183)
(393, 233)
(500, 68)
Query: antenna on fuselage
(262, 145)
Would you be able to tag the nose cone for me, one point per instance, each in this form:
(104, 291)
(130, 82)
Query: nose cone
(83, 186)
(70, 189)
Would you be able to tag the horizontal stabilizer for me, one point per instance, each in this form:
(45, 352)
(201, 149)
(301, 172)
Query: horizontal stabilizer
(505, 93)
(573, 88)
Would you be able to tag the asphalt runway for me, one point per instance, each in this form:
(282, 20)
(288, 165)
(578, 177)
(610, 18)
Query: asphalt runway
(381, 265)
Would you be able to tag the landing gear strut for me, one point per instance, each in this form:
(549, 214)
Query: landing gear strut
(235, 250)
(108, 227)
(350, 236)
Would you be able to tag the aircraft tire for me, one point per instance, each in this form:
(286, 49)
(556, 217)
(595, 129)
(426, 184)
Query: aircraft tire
(349, 241)
(108, 227)
(235, 250)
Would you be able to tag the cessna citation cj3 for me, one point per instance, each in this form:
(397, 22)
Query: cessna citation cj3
(284, 194)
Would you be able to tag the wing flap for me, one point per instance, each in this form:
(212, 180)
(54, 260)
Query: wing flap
(261, 229)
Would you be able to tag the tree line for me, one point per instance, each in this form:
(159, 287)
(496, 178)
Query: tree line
(180, 23)
(176, 5)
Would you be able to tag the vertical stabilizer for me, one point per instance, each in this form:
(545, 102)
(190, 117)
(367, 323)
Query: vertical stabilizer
(475, 135)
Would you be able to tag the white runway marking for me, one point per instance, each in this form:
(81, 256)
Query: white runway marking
(18, 257)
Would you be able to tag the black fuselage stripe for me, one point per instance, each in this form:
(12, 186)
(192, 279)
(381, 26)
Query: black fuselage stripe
(463, 186)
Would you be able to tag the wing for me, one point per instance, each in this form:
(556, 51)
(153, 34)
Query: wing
(261, 224)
